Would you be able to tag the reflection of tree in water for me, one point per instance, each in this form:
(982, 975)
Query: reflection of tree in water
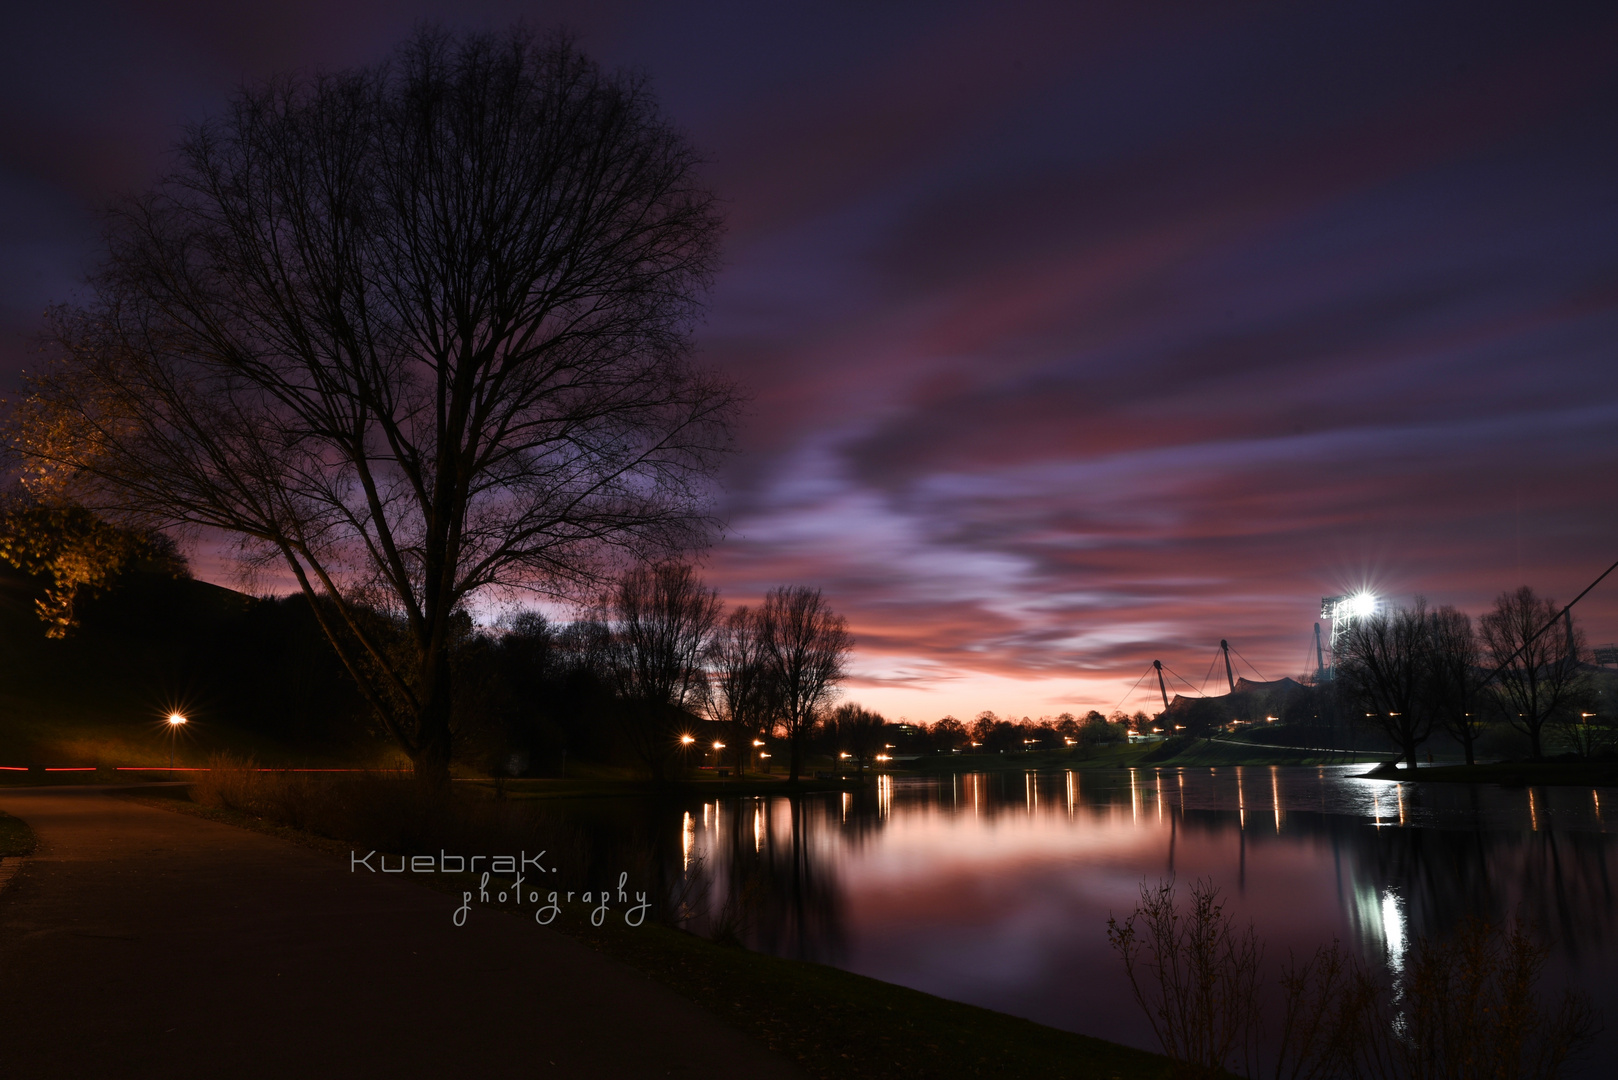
(1560, 883)
(1398, 884)
(767, 873)
(592, 843)
(775, 889)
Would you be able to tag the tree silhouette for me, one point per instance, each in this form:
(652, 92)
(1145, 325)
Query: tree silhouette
(414, 331)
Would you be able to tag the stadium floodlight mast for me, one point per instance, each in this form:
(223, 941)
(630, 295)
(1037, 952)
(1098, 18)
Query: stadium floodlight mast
(1345, 611)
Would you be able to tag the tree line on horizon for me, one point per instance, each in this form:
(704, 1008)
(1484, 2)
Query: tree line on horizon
(1413, 671)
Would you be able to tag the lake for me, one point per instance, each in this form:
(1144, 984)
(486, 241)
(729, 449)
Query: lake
(995, 888)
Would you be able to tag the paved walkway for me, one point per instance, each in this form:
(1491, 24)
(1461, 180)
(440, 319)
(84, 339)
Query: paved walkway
(143, 943)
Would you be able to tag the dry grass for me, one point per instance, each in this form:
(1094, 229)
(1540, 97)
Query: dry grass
(1467, 1007)
(389, 812)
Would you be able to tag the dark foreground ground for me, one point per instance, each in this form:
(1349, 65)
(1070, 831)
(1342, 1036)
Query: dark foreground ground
(141, 943)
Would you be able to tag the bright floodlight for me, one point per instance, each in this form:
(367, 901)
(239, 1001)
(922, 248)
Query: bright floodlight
(1363, 604)
(688, 739)
(175, 719)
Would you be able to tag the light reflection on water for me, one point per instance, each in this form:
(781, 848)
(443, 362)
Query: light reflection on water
(995, 888)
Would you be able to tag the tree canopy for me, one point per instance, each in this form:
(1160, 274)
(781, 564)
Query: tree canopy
(413, 331)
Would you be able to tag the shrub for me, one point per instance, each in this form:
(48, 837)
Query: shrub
(1194, 974)
(1464, 1008)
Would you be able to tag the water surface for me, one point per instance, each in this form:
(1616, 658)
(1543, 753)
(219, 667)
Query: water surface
(995, 889)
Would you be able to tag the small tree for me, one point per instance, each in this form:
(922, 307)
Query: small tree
(1539, 676)
(661, 622)
(77, 554)
(743, 695)
(1384, 669)
(1454, 689)
(806, 646)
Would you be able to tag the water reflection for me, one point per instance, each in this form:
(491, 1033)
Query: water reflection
(995, 888)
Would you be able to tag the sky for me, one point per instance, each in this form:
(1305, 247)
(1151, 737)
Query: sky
(1078, 335)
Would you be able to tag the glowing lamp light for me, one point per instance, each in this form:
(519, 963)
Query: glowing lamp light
(687, 740)
(175, 721)
(718, 745)
(758, 742)
(1362, 604)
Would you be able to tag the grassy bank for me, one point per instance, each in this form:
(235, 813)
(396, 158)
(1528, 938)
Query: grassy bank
(706, 788)
(1114, 756)
(1209, 752)
(1215, 752)
(1514, 774)
(833, 1022)
(838, 1024)
(16, 838)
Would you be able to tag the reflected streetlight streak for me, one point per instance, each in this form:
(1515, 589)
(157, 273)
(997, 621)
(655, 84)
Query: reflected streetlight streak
(1275, 798)
(758, 826)
(1533, 811)
(1073, 794)
(1241, 800)
(1393, 929)
(1134, 799)
(1596, 795)
(848, 801)
(688, 837)
(1401, 791)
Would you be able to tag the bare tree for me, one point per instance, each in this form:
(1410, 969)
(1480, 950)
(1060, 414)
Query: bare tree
(806, 645)
(414, 331)
(743, 693)
(1454, 685)
(1383, 668)
(1539, 677)
(660, 622)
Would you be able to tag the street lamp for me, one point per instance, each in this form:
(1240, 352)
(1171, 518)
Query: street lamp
(175, 720)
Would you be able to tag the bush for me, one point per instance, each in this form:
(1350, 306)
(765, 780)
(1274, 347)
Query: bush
(1463, 1008)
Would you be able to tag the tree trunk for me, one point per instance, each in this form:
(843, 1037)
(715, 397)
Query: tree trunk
(1533, 742)
(797, 743)
(1471, 753)
(435, 746)
(1410, 754)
